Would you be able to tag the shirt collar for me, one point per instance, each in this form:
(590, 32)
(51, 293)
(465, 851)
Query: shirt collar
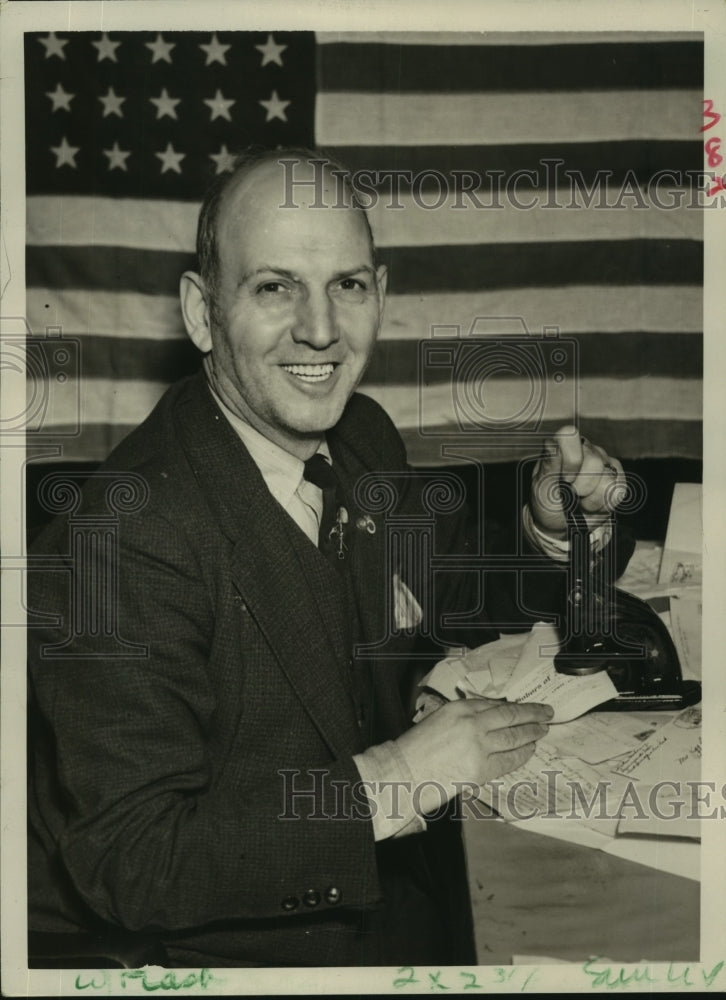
(281, 471)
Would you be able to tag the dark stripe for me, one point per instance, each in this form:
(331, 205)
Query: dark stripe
(395, 68)
(411, 269)
(596, 355)
(628, 439)
(624, 438)
(108, 269)
(589, 162)
(543, 265)
(403, 362)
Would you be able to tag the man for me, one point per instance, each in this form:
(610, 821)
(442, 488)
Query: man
(200, 781)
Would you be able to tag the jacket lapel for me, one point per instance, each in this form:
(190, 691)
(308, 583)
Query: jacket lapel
(372, 584)
(279, 573)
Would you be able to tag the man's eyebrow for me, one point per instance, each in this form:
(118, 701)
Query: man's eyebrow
(355, 270)
(267, 269)
(284, 273)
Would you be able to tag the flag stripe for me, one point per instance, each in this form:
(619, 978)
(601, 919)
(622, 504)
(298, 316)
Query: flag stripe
(382, 168)
(619, 436)
(612, 355)
(435, 40)
(578, 309)
(622, 437)
(640, 398)
(620, 355)
(171, 226)
(516, 265)
(452, 268)
(383, 67)
(504, 400)
(485, 119)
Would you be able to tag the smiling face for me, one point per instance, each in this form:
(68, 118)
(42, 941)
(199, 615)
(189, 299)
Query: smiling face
(298, 307)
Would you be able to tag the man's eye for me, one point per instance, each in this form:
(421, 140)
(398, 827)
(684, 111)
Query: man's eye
(353, 285)
(270, 287)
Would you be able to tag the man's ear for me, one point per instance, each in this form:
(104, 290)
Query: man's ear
(195, 310)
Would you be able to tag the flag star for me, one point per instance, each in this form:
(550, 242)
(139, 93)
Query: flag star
(165, 105)
(112, 103)
(219, 107)
(106, 48)
(117, 157)
(224, 159)
(161, 49)
(274, 107)
(60, 98)
(53, 45)
(271, 53)
(215, 51)
(65, 154)
(170, 159)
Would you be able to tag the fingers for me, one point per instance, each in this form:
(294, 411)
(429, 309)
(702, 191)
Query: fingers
(510, 760)
(508, 714)
(503, 740)
(597, 478)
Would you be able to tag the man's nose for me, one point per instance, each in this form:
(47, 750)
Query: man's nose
(315, 321)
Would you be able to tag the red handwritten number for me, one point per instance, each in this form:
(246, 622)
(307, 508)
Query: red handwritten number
(708, 112)
(712, 151)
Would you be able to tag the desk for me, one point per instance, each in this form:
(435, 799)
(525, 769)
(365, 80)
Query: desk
(536, 895)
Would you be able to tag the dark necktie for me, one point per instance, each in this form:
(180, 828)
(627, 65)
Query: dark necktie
(319, 472)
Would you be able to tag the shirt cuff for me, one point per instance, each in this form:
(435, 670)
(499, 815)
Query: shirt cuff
(559, 549)
(389, 787)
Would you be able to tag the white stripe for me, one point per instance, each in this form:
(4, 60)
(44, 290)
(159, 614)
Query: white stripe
(573, 310)
(459, 219)
(128, 402)
(343, 119)
(81, 221)
(434, 38)
(578, 309)
(506, 400)
(98, 401)
(106, 314)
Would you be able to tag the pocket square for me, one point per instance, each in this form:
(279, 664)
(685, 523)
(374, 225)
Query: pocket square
(407, 613)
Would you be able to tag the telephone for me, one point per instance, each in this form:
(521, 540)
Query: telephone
(608, 629)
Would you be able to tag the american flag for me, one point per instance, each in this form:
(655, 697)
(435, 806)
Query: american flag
(561, 233)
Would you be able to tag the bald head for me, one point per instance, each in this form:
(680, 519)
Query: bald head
(300, 177)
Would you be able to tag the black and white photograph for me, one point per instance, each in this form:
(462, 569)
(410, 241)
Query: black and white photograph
(361, 467)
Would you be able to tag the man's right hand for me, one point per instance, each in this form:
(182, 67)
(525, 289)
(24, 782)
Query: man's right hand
(471, 741)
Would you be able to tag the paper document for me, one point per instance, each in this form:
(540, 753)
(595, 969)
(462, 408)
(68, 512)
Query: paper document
(682, 560)
(672, 753)
(520, 668)
(598, 737)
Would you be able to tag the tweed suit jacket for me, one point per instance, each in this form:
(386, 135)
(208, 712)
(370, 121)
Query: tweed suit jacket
(156, 785)
(162, 757)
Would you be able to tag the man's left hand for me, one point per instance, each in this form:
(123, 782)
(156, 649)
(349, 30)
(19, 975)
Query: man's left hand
(598, 480)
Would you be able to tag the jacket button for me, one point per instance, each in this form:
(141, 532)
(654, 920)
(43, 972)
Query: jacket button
(333, 895)
(311, 898)
(290, 903)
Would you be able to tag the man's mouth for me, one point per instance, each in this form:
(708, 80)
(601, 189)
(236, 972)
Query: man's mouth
(311, 373)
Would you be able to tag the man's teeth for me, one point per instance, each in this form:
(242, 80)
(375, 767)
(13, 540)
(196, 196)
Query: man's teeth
(311, 373)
